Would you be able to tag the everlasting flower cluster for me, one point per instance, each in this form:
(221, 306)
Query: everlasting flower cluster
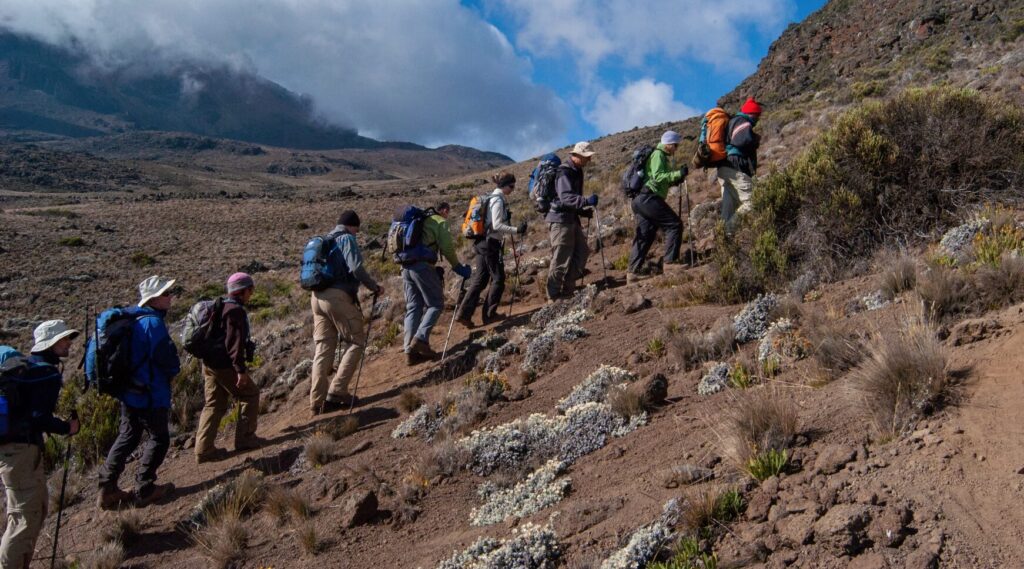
(715, 380)
(752, 322)
(424, 422)
(539, 350)
(595, 387)
(783, 340)
(530, 547)
(538, 491)
(874, 300)
(580, 301)
(646, 542)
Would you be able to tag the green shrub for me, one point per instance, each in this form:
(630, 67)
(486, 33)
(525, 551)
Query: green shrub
(656, 347)
(990, 246)
(767, 464)
(621, 263)
(187, 395)
(98, 415)
(865, 89)
(53, 212)
(388, 337)
(1014, 30)
(71, 241)
(142, 260)
(687, 554)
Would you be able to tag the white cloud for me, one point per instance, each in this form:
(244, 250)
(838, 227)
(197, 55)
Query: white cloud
(428, 71)
(592, 31)
(640, 103)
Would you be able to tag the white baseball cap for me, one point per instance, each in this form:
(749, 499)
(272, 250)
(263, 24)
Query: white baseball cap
(583, 149)
(49, 333)
(153, 287)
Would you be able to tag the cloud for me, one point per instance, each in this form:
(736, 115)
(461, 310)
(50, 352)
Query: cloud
(640, 103)
(427, 71)
(593, 31)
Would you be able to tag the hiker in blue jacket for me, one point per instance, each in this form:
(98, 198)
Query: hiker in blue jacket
(146, 404)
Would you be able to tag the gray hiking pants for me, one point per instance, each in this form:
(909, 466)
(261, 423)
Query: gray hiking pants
(569, 254)
(424, 301)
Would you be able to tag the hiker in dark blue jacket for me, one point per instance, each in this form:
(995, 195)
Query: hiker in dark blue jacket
(21, 464)
(146, 404)
(569, 250)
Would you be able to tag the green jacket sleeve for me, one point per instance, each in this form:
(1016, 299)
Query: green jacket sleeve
(660, 175)
(438, 233)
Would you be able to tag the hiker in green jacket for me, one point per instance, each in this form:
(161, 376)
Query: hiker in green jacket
(651, 210)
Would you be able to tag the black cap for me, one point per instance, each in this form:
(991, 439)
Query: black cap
(442, 205)
(349, 217)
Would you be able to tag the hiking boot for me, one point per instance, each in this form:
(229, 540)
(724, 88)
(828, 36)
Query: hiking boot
(422, 349)
(466, 323)
(113, 498)
(338, 402)
(249, 443)
(636, 277)
(412, 358)
(153, 493)
(215, 455)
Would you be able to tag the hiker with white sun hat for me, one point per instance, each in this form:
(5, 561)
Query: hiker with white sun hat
(569, 249)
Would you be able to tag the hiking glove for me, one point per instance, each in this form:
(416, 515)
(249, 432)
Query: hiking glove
(521, 229)
(592, 200)
(463, 271)
(587, 213)
(684, 171)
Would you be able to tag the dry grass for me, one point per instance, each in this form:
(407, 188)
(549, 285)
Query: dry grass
(125, 526)
(110, 555)
(340, 428)
(834, 350)
(754, 421)
(224, 538)
(788, 307)
(410, 400)
(284, 504)
(692, 349)
(904, 378)
(443, 460)
(320, 449)
(627, 403)
(900, 275)
(1003, 284)
(309, 543)
(943, 293)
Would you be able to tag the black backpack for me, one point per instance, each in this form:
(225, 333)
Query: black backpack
(635, 176)
(202, 329)
(17, 374)
(542, 183)
(108, 356)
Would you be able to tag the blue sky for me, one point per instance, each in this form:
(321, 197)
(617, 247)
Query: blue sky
(517, 76)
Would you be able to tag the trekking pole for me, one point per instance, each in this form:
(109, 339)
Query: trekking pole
(689, 226)
(63, 487)
(515, 257)
(359, 373)
(583, 273)
(458, 306)
(600, 245)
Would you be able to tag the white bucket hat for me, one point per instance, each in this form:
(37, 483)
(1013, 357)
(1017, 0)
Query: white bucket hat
(153, 287)
(671, 137)
(49, 333)
(583, 149)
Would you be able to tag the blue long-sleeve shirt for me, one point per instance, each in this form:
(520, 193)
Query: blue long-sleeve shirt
(155, 361)
(346, 259)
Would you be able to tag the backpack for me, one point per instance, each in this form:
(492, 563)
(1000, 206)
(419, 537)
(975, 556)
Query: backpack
(202, 327)
(315, 273)
(405, 238)
(475, 225)
(635, 176)
(108, 356)
(18, 372)
(542, 183)
(712, 140)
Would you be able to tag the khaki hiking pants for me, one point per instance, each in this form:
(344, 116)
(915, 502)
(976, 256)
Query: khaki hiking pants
(737, 189)
(219, 385)
(21, 469)
(334, 315)
(569, 254)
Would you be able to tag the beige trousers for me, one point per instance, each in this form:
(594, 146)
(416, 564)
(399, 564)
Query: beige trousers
(219, 385)
(334, 315)
(737, 189)
(569, 252)
(21, 469)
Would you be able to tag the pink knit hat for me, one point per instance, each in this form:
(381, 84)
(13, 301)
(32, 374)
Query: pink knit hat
(239, 282)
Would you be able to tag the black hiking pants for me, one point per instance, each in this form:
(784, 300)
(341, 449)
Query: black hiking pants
(652, 214)
(135, 422)
(489, 267)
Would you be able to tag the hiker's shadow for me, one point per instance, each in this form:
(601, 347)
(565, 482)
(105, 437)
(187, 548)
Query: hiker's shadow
(155, 543)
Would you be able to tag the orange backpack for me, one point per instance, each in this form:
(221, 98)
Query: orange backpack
(711, 144)
(474, 226)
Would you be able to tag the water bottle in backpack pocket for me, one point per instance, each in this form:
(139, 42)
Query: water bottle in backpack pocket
(405, 237)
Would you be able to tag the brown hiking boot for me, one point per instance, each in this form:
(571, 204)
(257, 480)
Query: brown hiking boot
(153, 493)
(466, 323)
(249, 443)
(636, 277)
(113, 498)
(422, 349)
(412, 359)
(215, 455)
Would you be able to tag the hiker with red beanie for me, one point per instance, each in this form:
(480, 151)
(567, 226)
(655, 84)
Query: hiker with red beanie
(225, 373)
(736, 172)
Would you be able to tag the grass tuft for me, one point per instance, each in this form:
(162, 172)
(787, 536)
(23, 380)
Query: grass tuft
(410, 400)
(320, 449)
(757, 421)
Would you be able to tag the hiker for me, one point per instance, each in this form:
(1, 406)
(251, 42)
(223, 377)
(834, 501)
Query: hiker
(146, 403)
(490, 261)
(651, 210)
(736, 172)
(29, 413)
(225, 374)
(569, 249)
(336, 313)
(421, 277)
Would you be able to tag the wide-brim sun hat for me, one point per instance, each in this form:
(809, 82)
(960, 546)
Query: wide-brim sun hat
(583, 149)
(153, 287)
(49, 333)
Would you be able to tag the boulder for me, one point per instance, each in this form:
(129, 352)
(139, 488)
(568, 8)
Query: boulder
(889, 527)
(833, 458)
(797, 530)
(842, 529)
(635, 303)
(360, 508)
(655, 389)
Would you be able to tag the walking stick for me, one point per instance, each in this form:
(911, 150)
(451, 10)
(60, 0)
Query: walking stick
(515, 256)
(60, 502)
(600, 245)
(359, 373)
(583, 273)
(458, 306)
(689, 226)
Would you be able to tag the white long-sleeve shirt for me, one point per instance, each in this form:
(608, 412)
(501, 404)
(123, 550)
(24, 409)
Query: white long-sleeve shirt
(498, 225)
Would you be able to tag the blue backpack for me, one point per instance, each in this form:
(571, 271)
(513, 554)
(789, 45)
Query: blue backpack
(108, 356)
(316, 273)
(542, 183)
(17, 374)
(405, 238)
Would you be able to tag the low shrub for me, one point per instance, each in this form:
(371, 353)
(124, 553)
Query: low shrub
(126, 526)
(224, 539)
(756, 421)
(284, 504)
(99, 416)
(410, 400)
(903, 379)
(141, 260)
(626, 402)
(687, 554)
(944, 293)
(53, 212)
(834, 350)
(1001, 285)
(71, 242)
(320, 449)
(899, 275)
(767, 464)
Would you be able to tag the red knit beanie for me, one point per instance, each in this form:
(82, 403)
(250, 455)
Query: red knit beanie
(751, 107)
